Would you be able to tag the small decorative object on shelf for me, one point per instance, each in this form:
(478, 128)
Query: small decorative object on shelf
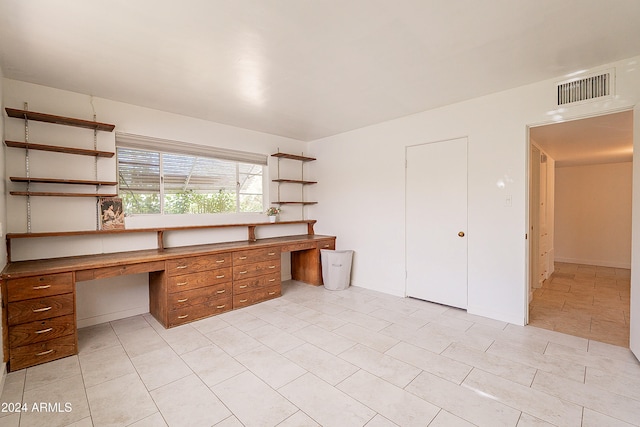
(111, 213)
(272, 213)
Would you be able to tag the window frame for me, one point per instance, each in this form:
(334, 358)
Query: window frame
(161, 147)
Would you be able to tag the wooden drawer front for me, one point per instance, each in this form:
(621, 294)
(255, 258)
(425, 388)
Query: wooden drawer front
(299, 246)
(327, 244)
(198, 280)
(262, 294)
(255, 283)
(39, 286)
(241, 272)
(256, 255)
(42, 330)
(199, 296)
(189, 314)
(40, 308)
(29, 355)
(197, 263)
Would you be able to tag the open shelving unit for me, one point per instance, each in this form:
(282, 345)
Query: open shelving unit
(302, 182)
(96, 126)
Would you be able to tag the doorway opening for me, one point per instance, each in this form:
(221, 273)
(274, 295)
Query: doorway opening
(580, 227)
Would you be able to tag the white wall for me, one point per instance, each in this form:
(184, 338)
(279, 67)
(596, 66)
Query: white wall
(361, 187)
(593, 214)
(109, 299)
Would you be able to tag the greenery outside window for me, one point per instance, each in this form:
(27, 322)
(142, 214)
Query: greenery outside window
(157, 182)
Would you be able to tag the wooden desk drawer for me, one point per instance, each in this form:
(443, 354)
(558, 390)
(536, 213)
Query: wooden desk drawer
(198, 280)
(199, 296)
(41, 330)
(39, 286)
(249, 298)
(256, 255)
(40, 308)
(198, 263)
(34, 354)
(189, 314)
(241, 272)
(327, 244)
(255, 283)
(292, 247)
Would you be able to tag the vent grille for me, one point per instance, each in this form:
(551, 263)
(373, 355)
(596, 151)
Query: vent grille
(585, 89)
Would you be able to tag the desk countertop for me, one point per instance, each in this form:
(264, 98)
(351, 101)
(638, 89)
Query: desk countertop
(18, 269)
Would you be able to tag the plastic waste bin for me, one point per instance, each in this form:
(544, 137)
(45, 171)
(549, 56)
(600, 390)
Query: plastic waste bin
(336, 269)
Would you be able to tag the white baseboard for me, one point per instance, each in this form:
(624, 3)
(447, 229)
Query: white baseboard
(601, 263)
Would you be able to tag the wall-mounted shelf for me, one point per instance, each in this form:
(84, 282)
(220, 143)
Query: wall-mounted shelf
(58, 149)
(59, 120)
(293, 157)
(294, 181)
(302, 182)
(293, 203)
(96, 126)
(52, 194)
(251, 231)
(61, 181)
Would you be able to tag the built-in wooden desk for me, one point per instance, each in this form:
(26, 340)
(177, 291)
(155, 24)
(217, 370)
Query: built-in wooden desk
(185, 284)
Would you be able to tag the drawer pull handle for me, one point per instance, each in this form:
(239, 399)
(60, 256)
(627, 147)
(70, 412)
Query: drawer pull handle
(272, 293)
(272, 266)
(243, 272)
(180, 267)
(325, 246)
(243, 300)
(272, 280)
(242, 257)
(221, 306)
(221, 291)
(243, 286)
(271, 253)
(40, 310)
(44, 353)
(183, 300)
(184, 316)
(220, 261)
(220, 276)
(37, 288)
(44, 331)
(181, 283)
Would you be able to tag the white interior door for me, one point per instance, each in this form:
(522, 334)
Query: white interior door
(634, 323)
(436, 223)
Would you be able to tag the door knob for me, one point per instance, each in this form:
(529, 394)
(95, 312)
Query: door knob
(461, 234)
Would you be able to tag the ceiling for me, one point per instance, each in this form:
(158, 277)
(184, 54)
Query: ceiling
(601, 139)
(307, 69)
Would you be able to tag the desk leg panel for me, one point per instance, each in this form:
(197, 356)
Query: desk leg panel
(306, 267)
(158, 297)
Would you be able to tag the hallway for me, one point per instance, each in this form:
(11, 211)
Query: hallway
(585, 301)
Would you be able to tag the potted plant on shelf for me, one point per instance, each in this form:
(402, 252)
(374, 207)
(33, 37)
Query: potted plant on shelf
(272, 213)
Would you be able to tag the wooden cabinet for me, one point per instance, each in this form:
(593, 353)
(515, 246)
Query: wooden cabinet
(40, 319)
(191, 288)
(256, 276)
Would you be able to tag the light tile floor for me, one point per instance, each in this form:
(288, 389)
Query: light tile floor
(586, 301)
(343, 358)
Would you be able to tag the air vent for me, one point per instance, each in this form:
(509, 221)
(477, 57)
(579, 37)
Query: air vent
(577, 90)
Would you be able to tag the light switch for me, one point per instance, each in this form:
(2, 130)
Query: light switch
(508, 201)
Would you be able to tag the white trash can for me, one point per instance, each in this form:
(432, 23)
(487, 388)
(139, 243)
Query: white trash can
(336, 269)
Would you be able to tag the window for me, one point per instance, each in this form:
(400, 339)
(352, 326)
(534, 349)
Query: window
(158, 182)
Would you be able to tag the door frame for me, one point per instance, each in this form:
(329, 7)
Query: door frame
(528, 236)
